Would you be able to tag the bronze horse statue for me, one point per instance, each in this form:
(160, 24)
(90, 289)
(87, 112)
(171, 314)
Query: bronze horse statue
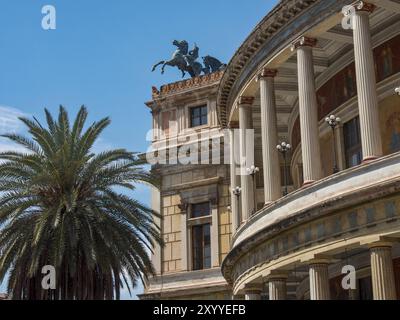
(178, 58)
(212, 64)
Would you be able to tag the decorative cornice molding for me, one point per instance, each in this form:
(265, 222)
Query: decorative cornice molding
(304, 42)
(245, 101)
(183, 85)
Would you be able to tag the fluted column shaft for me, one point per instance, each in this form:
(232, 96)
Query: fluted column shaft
(319, 281)
(366, 85)
(383, 281)
(277, 289)
(269, 135)
(308, 110)
(235, 181)
(253, 294)
(245, 123)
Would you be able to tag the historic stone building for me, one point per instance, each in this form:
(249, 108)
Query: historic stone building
(306, 61)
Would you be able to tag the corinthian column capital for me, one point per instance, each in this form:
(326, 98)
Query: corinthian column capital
(304, 42)
(245, 101)
(267, 73)
(362, 6)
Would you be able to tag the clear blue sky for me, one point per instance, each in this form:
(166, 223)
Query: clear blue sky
(101, 55)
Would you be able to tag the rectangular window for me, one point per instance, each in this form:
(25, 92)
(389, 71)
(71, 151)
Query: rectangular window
(200, 210)
(352, 142)
(198, 116)
(201, 247)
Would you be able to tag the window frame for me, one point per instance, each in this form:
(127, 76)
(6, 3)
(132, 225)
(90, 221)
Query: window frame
(190, 115)
(196, 222)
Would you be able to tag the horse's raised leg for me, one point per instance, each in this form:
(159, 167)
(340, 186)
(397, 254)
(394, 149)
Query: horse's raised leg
(156, 65)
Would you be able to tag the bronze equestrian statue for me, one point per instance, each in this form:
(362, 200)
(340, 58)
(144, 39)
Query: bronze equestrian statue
(186, 61)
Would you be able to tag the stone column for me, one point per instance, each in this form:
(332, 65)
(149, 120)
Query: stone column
(269, 135)
(383, 281)
(308, 110)
(277, 286)
(319, 281)
(246, 155)
(253, 292)
(235, 178)
(238, 297)
(366, 82)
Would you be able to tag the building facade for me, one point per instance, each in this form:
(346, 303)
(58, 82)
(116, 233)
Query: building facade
(320, 222)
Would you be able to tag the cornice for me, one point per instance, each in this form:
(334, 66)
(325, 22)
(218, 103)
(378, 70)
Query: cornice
(188, 84)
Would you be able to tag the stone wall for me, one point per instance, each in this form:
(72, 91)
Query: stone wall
(171, 253)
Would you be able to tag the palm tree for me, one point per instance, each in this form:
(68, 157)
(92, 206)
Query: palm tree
(60, 206)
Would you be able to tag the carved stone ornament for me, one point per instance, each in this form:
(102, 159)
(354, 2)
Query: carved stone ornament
(364, 6)
(304, 42)
(183, 206)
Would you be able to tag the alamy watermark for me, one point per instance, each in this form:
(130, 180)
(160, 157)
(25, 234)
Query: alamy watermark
(349, 281)
(202, 147)
(49, 21)
(49, 280)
